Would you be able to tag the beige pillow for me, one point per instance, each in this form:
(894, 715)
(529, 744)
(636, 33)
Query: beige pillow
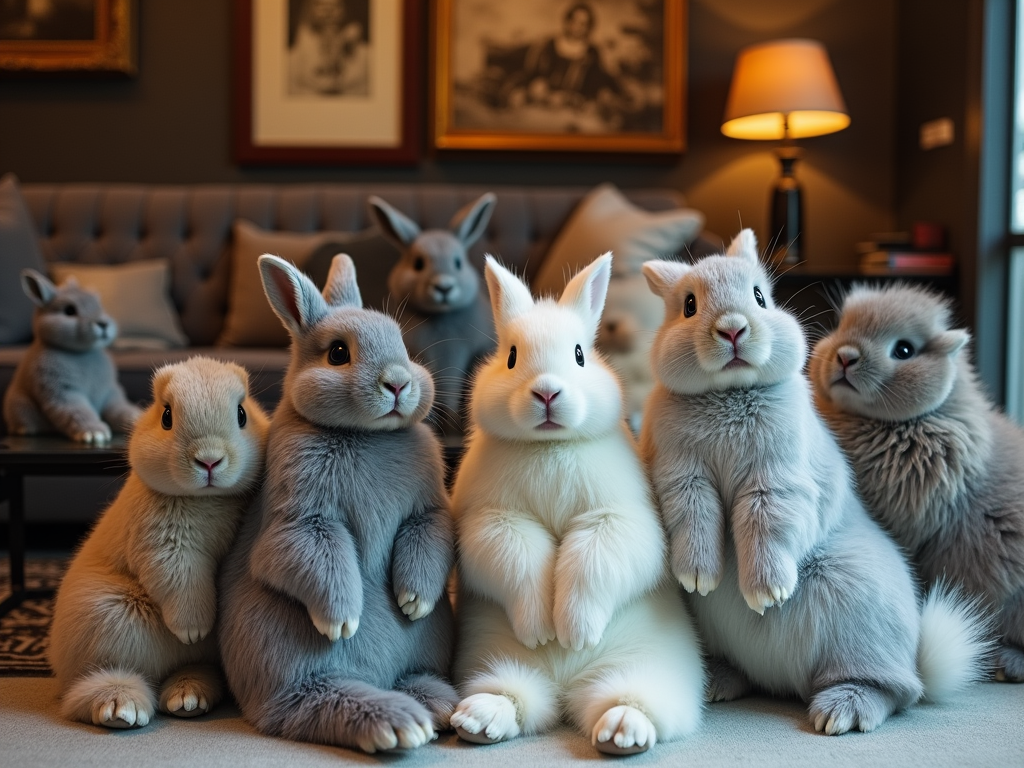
(137, 295)
(606, 221)
(250, 321)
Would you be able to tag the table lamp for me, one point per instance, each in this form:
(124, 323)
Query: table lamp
(784, 89)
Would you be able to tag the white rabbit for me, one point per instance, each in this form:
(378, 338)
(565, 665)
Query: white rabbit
(761, 511)
(566, 605)
(138, 602)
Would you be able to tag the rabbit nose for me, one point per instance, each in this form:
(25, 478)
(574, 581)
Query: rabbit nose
(443, 289)
(102, 324)
(396, 388)
(208, 464)
(545, 396)
(731, 333)
(847, 356)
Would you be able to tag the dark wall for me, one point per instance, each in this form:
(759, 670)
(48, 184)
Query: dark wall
(172, 122)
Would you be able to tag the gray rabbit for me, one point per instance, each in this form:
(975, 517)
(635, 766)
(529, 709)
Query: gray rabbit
(936, 464)
(67, 382)
(336, 624)
(435, 292)
(761, 511)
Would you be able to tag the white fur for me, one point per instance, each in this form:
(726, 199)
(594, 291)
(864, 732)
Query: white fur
(138, 603)
(955, 644)
(562, 569)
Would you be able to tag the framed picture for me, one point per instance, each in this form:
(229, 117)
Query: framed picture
(327, 82)
(68, 36)
(560, 75)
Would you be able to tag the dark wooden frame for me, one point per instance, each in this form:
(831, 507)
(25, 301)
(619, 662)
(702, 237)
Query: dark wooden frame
(246, 152)
(111, 50)
(671, 140)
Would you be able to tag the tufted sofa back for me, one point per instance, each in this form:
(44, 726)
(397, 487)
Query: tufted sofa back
(191, 225)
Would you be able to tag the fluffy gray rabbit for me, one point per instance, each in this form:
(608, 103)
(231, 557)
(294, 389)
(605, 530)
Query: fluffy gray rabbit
(135, 610)
(761, 511)
(66, 382)
(936, 464)
(336, 624)
(435, 292)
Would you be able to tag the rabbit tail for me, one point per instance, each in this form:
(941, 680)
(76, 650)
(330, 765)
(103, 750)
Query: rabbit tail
(955, 647)
(115, 698)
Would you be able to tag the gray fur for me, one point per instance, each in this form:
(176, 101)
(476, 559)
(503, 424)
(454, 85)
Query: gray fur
(761, 512)
(353, 519)
(66, 382)
(437, 298)
(936, 464)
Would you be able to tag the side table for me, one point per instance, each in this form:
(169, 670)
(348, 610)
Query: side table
(22, 457)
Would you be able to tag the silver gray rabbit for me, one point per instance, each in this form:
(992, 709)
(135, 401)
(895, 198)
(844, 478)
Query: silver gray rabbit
(336, 624)
(799, 590)
(437, 299)
(937, 465)
(66, 382)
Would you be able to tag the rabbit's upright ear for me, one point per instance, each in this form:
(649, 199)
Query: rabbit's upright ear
(469, 223)
(744, 245)
(37, 287)
(510, 298)
(395, 225)
(662, 277)
(586, 292)
(341, 289)
(293, 296)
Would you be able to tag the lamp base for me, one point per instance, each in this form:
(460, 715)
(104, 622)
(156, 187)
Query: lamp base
(787, 212)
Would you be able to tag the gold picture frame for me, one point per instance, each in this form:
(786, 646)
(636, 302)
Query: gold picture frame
(501, 80)
(57, 37)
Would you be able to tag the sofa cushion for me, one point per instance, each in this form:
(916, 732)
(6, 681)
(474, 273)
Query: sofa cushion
(605, 220)
(137, 295)
(250, 321)
(19, 249)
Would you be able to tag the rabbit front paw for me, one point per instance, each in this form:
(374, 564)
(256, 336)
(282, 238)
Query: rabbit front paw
(531, 623)
(98, 434)
(190, 635)
(334, 630)
(581, 626)
(696, 571)
(414, 606)
(772, 584)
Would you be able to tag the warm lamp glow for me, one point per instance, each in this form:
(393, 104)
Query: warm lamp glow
(785, 89)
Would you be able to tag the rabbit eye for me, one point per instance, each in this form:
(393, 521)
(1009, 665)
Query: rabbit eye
(166, 421)
(758, 297)
(458, 263)
(338, 353)
(419, 264)
(512, 357)
(690, 306)
(903, 350)
(579, 355)
(242, 418)
(70, 310)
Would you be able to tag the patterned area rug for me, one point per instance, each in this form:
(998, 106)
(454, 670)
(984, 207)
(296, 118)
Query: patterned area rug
(24, 632)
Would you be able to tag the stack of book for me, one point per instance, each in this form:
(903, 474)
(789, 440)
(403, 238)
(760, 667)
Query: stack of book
(893, 253)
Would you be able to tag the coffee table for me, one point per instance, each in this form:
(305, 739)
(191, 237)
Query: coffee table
(22, 457)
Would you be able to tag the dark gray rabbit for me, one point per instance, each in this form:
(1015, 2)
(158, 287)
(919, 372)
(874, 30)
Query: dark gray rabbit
(435, 292)
(336, 624)
(66, 382)
(800, 591)
(936, 463)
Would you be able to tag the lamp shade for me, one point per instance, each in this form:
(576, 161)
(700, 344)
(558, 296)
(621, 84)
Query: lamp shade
(784, 89)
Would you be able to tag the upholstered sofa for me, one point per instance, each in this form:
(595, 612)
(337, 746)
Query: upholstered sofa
(197, 229)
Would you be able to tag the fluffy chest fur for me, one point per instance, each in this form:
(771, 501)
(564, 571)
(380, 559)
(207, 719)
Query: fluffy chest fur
(56, 370)
(368, 481)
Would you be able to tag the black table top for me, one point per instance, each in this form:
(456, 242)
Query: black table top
(52, 451)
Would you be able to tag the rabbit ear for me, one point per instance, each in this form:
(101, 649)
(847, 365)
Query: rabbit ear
(395, 225)
(469, 223)
(293, 296)
(662, 276)
(744, 245)
(510, 298)
(950, 342)
(37, 287)
(586, 292)
(341, 289)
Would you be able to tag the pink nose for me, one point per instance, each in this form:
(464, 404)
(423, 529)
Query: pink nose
(396, 388)
(546, 397)
(208, 465)
(846, 359)
(732, 334)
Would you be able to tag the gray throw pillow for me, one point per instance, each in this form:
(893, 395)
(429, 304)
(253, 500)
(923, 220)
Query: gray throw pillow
(19, 250)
